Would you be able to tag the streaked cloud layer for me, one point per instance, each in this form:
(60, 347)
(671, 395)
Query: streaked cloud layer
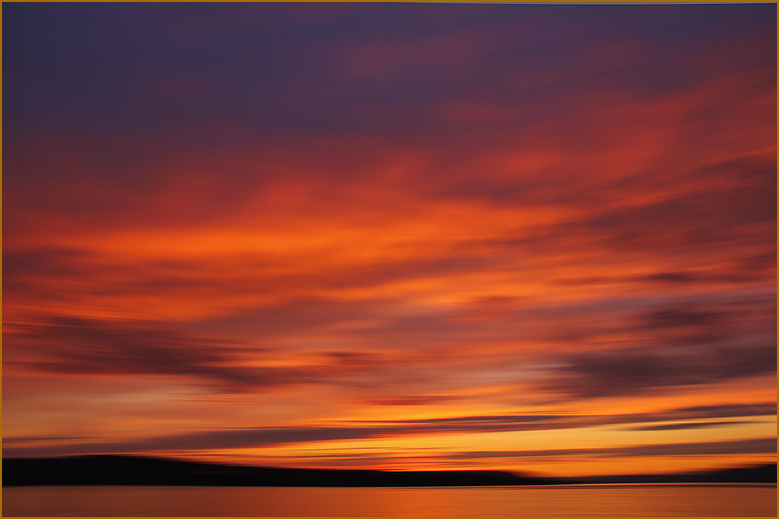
(392, 235)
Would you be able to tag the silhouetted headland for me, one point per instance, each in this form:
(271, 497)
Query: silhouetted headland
(137, 470)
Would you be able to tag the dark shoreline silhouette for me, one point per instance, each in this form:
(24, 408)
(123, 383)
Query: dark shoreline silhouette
(138, 470)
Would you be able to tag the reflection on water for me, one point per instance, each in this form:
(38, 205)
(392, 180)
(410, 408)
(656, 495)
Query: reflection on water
(568, 500)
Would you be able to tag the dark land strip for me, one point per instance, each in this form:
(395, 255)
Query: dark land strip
(138, 470)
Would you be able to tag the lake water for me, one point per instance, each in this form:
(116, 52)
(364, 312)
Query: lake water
(740, 500)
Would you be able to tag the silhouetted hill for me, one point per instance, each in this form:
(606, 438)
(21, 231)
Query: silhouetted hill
(137, 470)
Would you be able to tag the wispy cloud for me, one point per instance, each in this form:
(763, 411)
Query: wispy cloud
(268, 436)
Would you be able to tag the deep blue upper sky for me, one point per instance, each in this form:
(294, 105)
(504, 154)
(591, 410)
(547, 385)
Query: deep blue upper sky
(120, 68)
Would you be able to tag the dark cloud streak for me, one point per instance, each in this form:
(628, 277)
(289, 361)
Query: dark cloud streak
(638, 370)
(80, 346)
(752, 446)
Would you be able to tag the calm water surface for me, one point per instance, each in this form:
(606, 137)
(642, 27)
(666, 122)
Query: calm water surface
(566, 500)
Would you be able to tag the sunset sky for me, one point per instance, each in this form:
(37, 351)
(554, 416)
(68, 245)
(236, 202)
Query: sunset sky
(539, 238)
